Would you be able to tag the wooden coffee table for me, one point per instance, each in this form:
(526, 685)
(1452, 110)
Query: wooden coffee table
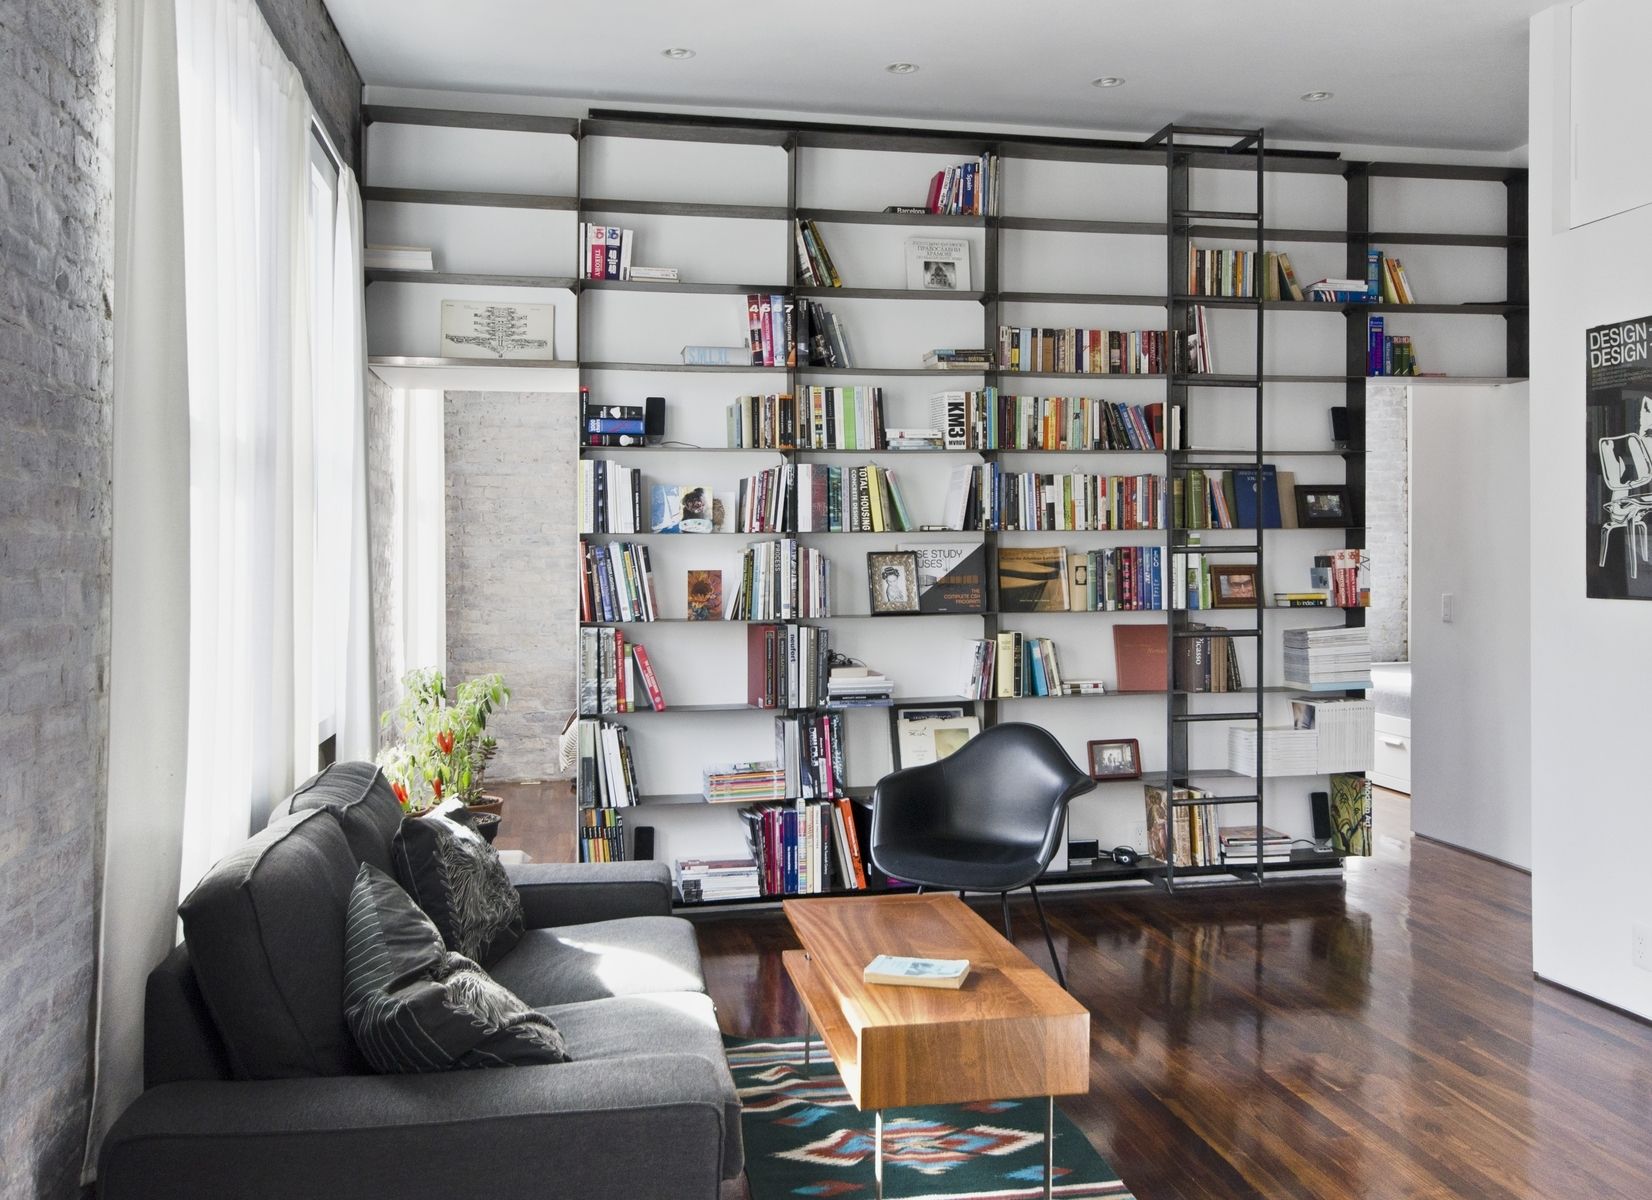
(1009, 1032)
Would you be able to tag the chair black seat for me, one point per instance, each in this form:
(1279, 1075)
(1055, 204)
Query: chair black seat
(963, 863)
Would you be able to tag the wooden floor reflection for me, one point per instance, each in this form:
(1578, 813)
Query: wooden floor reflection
(1383, 1038)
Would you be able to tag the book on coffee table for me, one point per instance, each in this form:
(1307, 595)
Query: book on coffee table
(917, 972)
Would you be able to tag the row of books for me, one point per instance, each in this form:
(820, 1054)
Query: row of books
(743, 782)
(809, 749)
(816, 498)
(814, 263)
(986, 420)
(822, 340)
(1055, 579)
(1279, 277)
(601, 836)
(1328, 660)
(1286, 751)
(966, 189)
(782, 581)
(1341, 576)
(607, 251)
(986, 496)
(617, 424)
(1198, 352)
(1344, 729)
(1388, 354)
(786, 666)
(1207, 664)
(969, 359)
(806, 848)
(1089, 351)
(615, 675)
(616, 582)
(818, 418)
(859, 687)
(1194, 843)
(1229, 499)
(1385, 280)
(771, 330)
(606, 775)
(702, 880)
(610, 497)
(1010, 664)
(1221, 272)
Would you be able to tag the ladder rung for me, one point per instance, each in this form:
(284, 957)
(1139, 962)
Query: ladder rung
(1242, 465)
(1216, 214)
(1210, 633)
(1216, 800)
(1184, 718)
(1208, 548)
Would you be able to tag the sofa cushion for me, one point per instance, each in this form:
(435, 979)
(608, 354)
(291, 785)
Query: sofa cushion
(361, 799)
(415, 1006)
(265, 931)
(571, 963)
(644, 1025)
(456, 877)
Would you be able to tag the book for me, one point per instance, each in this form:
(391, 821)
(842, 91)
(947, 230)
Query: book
(937, 264)
(705, 595)
(716, 356)
(952, 576)
(1351, 815)
(1142, 654)
(398, 258)
(649, 681)
(930, 739)
(652, 274)
(1032, 579)
(917, 972)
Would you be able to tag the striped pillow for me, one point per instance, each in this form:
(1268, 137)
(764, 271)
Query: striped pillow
(414, 1006)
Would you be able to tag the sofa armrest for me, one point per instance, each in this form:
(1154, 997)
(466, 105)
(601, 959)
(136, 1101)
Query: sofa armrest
(578, 893)
(517, 1133)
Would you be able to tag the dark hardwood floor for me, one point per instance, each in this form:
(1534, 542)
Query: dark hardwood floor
(1380, 1038)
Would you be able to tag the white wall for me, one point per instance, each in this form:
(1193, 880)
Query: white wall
(1590, 658)
(1471, 677)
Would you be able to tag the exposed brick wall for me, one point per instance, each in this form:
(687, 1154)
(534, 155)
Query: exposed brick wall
(384, 499)
(511, 563)
(306, 32)
(56, 245)
(1387, 519)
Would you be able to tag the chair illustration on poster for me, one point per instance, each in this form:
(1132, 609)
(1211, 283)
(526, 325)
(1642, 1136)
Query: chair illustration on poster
(1626, 469)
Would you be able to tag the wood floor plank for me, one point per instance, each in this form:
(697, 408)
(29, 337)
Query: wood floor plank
(1382, 1038)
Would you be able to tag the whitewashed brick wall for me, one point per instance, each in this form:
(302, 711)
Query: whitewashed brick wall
(1387, 519)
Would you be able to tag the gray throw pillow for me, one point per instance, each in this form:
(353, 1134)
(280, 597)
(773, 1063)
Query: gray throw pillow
(413, 1006)
(456, 877)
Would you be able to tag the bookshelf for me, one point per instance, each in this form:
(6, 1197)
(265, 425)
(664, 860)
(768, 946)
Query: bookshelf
(1086, 236)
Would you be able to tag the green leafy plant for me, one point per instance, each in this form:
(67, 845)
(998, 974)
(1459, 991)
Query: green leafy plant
(445, 747)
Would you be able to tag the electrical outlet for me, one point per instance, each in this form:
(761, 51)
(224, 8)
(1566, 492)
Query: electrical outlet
(1448, 605)
(1643, 947)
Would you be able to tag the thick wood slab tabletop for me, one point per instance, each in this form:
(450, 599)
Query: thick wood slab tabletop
(1010, 1031)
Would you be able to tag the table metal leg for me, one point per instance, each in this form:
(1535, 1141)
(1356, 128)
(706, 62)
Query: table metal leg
(808, 1043)
(1049, 1146)
(877, 1154)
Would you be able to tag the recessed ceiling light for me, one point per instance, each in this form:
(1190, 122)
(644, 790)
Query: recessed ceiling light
(901, 68)
(678, 52)
(1107, 81)
(1315, 97)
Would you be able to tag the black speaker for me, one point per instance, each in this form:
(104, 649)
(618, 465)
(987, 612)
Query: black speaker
(1083, 850)
(642, 843)
(1339, 427)
(653, 418)
(1321, 802)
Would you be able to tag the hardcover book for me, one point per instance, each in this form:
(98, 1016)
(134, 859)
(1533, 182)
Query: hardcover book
(937, 264)
(917, 972)
(1351, 815)
(1143, 655)
(952, 576)
(1032, 579)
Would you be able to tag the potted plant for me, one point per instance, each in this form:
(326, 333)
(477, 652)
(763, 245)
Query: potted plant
(445, 747)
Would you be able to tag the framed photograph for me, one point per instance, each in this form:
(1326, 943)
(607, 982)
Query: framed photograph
(937, 264)
(1115, 758)
(892, 581)
(1317, 505)
(705, 595)
(1234, 587)
(478, 329)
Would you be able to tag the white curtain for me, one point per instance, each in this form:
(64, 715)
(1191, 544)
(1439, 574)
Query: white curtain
(245, 129)
(357, 728)
(149, 610)
(421, 531)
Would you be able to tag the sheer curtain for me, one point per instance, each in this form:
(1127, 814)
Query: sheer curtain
(244, 130)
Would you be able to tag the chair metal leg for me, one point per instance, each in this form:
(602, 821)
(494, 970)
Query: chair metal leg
(877, 1153)
(920, 890)
(1060, 975)
(1004, 904)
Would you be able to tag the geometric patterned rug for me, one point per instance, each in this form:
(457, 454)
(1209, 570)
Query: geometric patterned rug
(806, 1140)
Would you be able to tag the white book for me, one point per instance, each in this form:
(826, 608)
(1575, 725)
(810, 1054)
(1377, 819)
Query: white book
(917, 972)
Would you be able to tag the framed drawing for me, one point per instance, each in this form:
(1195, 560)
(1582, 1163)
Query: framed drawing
(892, 581)
(477, 329)
(1234, 587)
(1115, 758)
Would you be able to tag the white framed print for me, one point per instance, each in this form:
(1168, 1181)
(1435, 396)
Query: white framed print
(937, 264)
(484, 329)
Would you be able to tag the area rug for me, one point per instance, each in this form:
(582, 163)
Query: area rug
(805, 1138)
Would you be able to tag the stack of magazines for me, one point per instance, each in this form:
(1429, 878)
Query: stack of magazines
(701, 879)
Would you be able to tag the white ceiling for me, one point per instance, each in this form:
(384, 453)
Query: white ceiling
(1437, 73)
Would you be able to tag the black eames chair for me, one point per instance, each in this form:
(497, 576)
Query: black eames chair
(987, 818)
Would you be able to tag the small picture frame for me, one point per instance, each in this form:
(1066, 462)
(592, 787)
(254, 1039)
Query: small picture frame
(892, 581)
(1115, 758)
(1325, 506)
(1234, 587)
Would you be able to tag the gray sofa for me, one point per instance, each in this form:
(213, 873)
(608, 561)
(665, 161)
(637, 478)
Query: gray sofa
(646, 1109)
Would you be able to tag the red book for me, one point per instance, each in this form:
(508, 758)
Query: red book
(847, 808)
(760, 642)
(934, 203)
(620, 673)
(649, 681)
(754, 328)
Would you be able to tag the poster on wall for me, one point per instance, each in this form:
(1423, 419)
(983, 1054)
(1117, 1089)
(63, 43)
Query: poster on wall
(1618, 467)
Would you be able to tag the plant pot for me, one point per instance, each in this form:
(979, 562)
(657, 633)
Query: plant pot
(487, 823)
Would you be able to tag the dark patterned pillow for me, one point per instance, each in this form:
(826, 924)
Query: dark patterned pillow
(456, 877)
(414, 1006)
